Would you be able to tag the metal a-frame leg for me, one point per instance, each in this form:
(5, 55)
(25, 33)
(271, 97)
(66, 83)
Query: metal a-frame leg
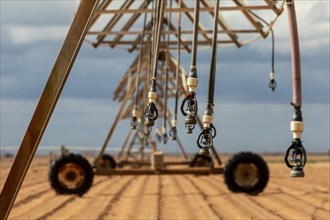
(121, 152)
(114, 124)
(184, 154)
(46, 105)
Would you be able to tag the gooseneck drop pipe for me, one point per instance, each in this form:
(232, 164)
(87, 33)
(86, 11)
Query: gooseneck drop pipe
(272, 84)
(151, 112)
(195, 35)
(189, 106)
(205, 139)
(167, 61)
(134, 121)
(173, 131)
(298, 157)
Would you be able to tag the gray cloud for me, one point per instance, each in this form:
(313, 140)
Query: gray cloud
(35, 12)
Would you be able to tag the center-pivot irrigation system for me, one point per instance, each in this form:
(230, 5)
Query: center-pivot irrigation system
(159, 31)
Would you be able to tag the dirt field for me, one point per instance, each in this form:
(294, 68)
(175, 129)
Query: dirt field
(176, 196)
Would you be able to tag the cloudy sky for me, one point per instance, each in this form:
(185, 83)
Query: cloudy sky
(247, 115)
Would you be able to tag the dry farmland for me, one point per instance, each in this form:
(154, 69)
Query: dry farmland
(176, 196)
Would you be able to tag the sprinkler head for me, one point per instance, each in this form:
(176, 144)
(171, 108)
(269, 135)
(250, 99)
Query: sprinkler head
(173, 133)
(134, 122)
(189, 128)
(190, 122)
(149, 123)
(272, 85)
(297, 171)
(204, 151)
(190, 119)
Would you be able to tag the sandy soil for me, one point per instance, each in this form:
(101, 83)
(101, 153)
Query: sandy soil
(176, 196)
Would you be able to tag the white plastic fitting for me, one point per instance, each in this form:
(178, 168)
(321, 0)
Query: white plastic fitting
(192, 84)
(173, 123)
(164, 131)
(272, 75)
(134, 112)
(152, 97)
(207, 120)
(297, 128)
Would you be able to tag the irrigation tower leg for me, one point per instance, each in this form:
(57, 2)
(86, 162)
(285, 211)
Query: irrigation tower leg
(46, 105)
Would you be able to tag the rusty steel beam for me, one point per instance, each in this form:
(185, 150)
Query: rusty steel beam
(172, 28)
(102, 6)
(173, 171)
(164, 44)
(272, 4)
(113, 22)
(185, 9)
(256, 23)
(131, 21)
(223, 24)
(200, 26)
(172, 31)
(46, 105)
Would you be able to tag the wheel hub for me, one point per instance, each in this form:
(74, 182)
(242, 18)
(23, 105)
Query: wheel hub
(71, 175)
(246, 175)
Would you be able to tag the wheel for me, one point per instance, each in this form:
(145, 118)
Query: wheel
(108, 162)
(71, 174)
(246, 172)
(201, 161)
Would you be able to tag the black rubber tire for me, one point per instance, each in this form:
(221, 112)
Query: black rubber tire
(109, 161)
(201, 161)
(70, 169)
(248, 167)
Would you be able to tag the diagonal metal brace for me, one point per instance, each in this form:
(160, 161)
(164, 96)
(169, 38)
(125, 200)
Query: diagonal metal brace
(46, 105)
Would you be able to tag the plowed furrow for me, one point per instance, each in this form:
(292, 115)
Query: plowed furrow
(147, 203)
(256, 203)
(159, 197)
(173, 201)
(128, 200)
(31, 192)
(30, 197)
(206, 209)
(240, 204)
(116, 197)
(35, 182)
(311, 196)
(175, 197)
(284, 206)
(298, 187)
(56, 208)
(319, 213)
(218, 184)
(139, 201)
(82, 206)
(39, 207)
